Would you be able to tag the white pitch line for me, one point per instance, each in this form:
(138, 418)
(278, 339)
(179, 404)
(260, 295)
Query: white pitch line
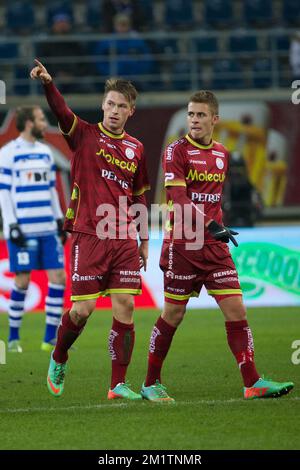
(122, 405)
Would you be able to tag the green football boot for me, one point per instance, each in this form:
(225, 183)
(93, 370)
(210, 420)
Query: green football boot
(56, 377)
(122, 390)
(264, 388)
(156, 393)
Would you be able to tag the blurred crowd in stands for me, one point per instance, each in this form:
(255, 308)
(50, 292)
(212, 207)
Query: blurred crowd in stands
(237, 52)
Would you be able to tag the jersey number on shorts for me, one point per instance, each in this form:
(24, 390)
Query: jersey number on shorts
(23, 258)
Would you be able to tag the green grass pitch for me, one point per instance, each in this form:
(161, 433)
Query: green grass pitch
(200, 373)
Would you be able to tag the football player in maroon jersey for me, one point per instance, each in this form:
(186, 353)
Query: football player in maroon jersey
(107, 170)
(195, 168)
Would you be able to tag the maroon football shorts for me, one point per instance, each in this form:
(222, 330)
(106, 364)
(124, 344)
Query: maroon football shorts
(186, 271)
(103, 267)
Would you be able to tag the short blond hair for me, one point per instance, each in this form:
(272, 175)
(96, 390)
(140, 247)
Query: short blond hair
(207, 97)
(122, 86)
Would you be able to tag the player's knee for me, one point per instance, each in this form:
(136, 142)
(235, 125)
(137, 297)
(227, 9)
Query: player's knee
(125, 304)
(79, 317)
(173, 313)
(59, 277)
(22, 280)
(81, 311)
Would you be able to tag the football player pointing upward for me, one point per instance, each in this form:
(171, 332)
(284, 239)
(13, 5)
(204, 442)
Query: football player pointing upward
(107, 165)
(195, 168)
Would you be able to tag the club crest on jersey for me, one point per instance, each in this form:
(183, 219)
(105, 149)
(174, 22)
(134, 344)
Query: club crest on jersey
(129, 153)
(219, 163)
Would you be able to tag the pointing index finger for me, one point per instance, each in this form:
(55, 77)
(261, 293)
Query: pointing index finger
(39, 63)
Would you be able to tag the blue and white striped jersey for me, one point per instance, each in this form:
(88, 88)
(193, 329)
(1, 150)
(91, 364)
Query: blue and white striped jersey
(27, 171)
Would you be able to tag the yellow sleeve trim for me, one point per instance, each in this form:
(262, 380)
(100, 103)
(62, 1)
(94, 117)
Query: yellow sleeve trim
(175, 183)
(141, 191)
(72, 128)
(225, 292)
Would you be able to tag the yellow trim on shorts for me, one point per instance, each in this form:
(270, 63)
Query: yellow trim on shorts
(123, 291)
(225, 292)
(88, 296)
(72, 128)
(177, 297)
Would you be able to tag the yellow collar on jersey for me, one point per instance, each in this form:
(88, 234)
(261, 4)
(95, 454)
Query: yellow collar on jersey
(199, 146)
(110, 134)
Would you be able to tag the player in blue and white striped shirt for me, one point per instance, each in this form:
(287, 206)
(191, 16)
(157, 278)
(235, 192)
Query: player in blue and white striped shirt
(32, 221)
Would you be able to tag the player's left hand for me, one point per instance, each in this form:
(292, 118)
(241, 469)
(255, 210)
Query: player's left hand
(221, 233)
(61, 232)
(143, 250)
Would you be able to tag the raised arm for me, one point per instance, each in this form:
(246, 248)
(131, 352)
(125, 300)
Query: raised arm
(65, 116)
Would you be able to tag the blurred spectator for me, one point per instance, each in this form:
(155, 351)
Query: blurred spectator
(243, 204)
(20, 17)
(127, 56)
(58, 7)
(68, 66)
(295, 56)
(130, 8)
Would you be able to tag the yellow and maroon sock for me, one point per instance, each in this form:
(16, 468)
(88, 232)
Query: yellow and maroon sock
(160, 342)
(240, 341)
(67, 334)
(120, 343)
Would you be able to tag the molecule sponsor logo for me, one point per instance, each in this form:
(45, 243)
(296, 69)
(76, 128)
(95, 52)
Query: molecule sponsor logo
(195, 175)
(205, 197)
(130, 166)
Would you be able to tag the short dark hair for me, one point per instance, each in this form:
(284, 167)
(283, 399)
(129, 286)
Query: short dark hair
(24, 114)
(122, 86)
(207, 97)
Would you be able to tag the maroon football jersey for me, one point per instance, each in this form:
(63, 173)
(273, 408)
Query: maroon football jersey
(202, 171)
(104, 167)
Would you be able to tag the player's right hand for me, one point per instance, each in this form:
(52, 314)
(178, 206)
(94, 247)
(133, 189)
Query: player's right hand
(40, 71)
(221, 233)
(16, 235)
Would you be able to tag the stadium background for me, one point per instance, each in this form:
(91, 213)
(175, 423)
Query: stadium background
(239, 49)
